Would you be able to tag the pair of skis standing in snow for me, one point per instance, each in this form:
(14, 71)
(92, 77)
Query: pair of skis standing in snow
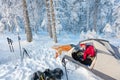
(10, 43)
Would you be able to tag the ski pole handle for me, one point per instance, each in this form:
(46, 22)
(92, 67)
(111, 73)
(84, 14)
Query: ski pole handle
(63, 61)
(19, 38)
(8, 40)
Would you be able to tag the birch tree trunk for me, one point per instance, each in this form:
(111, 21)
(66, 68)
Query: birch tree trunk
(53, 22)
(27, 22)
(96, 14)
(49, 27)
(88, 14)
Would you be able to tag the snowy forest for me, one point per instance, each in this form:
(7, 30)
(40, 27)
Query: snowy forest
(74, 16)
(34, 35)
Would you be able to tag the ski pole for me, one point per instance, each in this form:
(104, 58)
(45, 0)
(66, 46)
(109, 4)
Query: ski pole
(12, 48)
(9, 44)
(64, 64)
(25, 52)
(20, 46)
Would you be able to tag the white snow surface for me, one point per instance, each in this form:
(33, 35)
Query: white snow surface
(107, 28)
(41, 57)
(1, 27)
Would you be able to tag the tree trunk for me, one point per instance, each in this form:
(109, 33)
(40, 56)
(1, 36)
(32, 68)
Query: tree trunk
(27, 22)
(96, 14)
(53, 22)
(49, 27)
(88, 14)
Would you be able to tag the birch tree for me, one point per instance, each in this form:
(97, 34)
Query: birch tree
(53, 22)
(96, 14)
(27, 22)
(88, 13)
(49, 27)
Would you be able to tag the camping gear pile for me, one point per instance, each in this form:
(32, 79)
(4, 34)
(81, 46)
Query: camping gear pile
(48, 74)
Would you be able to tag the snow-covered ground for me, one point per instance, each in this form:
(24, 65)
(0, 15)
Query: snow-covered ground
(41, 57)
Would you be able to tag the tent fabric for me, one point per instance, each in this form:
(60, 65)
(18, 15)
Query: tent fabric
(103, 46)
(107, 58)
(96, 72)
